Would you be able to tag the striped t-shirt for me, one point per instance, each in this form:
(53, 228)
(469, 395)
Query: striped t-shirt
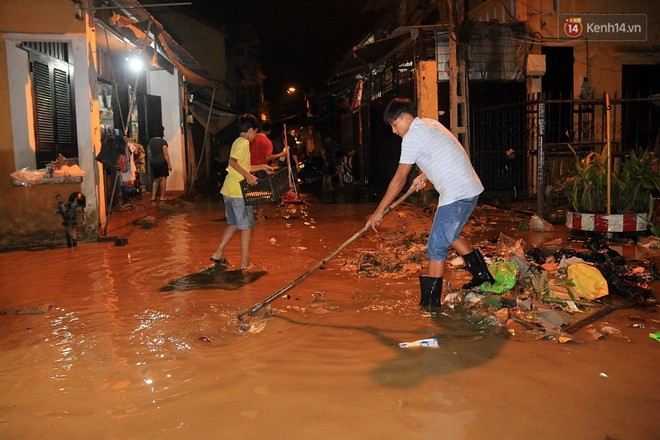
(442, 159)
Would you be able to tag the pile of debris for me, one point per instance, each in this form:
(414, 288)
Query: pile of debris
(551, 292)
(544, 292)
(397, 255)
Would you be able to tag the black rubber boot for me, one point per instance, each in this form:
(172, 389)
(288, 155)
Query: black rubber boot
(476, 265)
(431, 289)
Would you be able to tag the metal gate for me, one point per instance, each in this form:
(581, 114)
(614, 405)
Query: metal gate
(523, 149)
(498, 148)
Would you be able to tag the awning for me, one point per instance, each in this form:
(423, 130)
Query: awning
(218, 119)
(133, 22)
(369, 56)
(172, 49)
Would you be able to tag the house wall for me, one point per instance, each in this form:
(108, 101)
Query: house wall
(26, 213)
(165, 85)
(601, 61)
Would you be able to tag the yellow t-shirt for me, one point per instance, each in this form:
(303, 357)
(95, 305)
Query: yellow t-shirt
(240, 150)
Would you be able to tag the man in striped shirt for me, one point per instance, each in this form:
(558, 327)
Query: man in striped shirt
(443, 162)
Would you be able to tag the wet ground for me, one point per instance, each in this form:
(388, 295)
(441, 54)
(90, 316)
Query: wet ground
(141, 341)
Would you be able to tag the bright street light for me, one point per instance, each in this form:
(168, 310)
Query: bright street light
(135, 63)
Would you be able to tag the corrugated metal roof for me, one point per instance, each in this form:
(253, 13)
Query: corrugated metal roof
(135, 10)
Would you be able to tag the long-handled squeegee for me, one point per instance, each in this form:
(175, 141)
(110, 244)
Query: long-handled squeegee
(244, 325)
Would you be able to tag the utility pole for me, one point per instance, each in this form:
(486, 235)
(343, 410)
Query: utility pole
(459, 115)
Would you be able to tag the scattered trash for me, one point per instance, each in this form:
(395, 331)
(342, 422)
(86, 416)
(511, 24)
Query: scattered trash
(655, 336)
(146, 222)
(27, 177)
(538, 224)
(607, 329)
(563, 338)
(552, 319)
(603, 376)
(651, 242)
(589, 282)
(508, 247)
(455, 297)
(318, 297)
(431, 343)
(59, 168)
(456, 262)
(471, 297)
(524, 270)
(489, 321)
(505, 277)
(546, 291)
(593, 333)
(573, 307)
(502, 316)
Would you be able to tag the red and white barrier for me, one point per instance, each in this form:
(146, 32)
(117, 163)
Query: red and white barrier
(607, 222)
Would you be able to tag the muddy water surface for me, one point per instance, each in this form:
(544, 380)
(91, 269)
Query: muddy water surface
(141, 341)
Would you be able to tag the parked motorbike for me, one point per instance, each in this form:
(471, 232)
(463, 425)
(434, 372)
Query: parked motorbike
(311, 171)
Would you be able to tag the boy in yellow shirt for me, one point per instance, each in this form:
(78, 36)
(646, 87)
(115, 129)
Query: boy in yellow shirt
(239, 215)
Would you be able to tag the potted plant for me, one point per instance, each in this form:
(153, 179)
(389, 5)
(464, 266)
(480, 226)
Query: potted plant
(633, 185)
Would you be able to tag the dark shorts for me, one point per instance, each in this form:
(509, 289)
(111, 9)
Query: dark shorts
(159, 170)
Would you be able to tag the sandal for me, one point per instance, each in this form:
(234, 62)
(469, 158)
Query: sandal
(222, 261)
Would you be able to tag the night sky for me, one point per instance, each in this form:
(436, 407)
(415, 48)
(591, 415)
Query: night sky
(301, 40)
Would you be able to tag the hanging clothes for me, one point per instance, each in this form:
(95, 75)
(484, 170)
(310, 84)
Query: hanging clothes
(140, 158)
(128, 168)
(111, 150)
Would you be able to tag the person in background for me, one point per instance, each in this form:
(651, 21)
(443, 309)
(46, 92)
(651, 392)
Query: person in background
(279, 145)
(339, 165)
(290, 142)
(261, 153)
(239, 215)
(329, 169)
(159, 160)
(444, 162)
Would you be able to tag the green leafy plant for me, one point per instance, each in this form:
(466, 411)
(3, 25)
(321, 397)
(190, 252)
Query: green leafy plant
(632, 185)
(587, 188)
(636, 183)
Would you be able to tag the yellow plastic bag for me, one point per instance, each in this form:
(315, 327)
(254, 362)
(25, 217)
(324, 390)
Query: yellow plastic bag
(589, 282)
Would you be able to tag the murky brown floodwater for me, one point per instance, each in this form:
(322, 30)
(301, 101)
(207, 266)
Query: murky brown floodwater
(141, 342)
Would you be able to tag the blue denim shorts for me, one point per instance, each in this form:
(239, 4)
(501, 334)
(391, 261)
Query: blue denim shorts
(447, 226)
(238, 213)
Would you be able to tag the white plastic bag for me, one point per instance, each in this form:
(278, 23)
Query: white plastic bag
(27, 177)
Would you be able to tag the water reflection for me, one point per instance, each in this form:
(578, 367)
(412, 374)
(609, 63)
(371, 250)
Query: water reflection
(411, 367)
(179, 234)
(213, 278)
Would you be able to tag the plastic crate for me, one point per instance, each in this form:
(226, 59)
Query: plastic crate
(270, 188)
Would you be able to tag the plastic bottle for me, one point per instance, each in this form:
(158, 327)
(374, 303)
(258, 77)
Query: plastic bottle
(431, 342)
